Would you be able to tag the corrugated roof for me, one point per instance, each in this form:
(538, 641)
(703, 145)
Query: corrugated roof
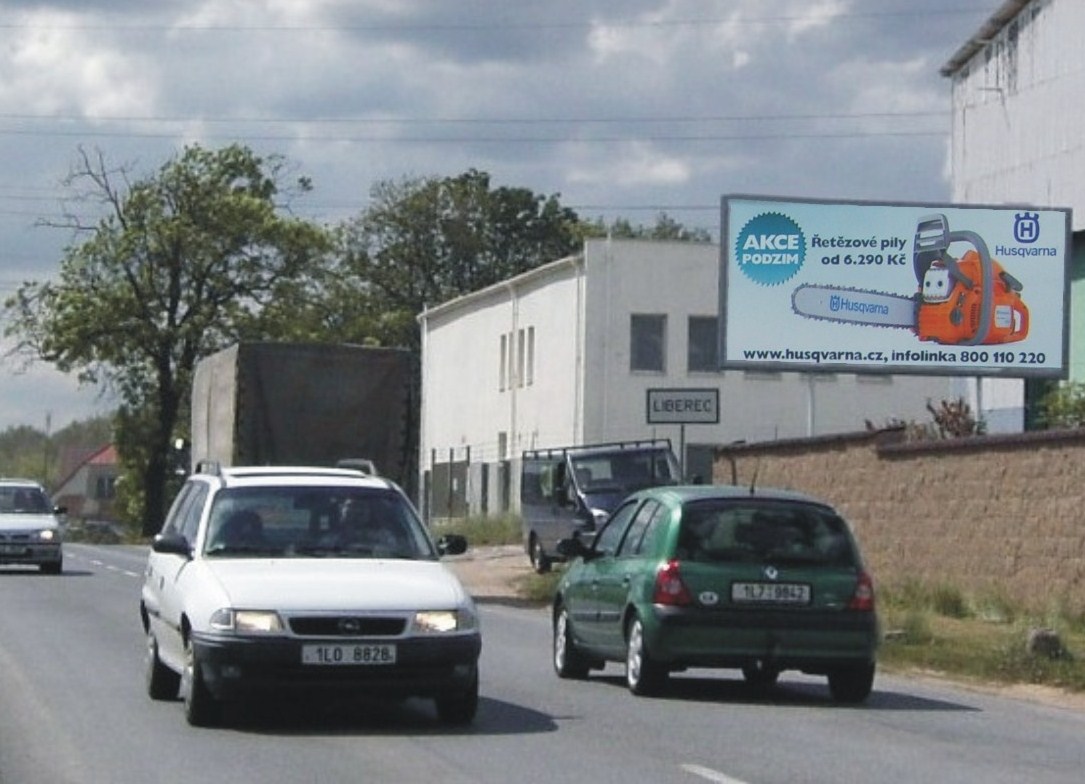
(999, 19)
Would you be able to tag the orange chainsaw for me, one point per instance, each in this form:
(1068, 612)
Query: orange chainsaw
(969, 301)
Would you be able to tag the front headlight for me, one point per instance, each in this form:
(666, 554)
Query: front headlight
(47, 534)
(444, 621)
(246, 621)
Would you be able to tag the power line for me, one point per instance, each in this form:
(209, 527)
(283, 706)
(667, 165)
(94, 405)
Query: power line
(372, 139)
(486, 120)
(490, 26)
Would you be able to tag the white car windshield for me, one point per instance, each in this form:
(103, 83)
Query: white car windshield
(276, 522)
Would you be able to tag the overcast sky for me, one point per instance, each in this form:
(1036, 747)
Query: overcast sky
(625, 108)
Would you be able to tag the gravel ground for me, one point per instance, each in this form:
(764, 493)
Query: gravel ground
(491, 572)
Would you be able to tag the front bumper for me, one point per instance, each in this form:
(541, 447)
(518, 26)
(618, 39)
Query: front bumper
(425, 667)
(27, 552)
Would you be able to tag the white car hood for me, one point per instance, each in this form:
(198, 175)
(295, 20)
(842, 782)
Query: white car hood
(10, 521)
(351, 584)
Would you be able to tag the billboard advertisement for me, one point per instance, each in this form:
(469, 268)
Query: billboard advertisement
(861, 287)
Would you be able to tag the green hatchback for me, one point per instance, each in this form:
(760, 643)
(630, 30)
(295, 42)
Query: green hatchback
(718, 576)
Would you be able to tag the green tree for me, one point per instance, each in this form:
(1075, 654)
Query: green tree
(425, 241)
(181, 264)
(1064, 406)
(665, 228)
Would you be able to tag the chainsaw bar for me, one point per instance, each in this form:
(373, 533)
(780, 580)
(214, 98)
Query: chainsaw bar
(854, 306)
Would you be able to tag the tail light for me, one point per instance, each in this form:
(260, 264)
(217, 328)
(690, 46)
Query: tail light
(863, 598)
(669, 588)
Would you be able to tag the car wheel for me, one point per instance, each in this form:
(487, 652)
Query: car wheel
(852, 684)
(643, 676)
(540, 561)
(201, 708)
(162, 682)
(569, 662)
(53, 567)
(459, 709)
(759, 675)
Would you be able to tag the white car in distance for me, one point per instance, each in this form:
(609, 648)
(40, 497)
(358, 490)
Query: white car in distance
(304, 580)
(30, 526)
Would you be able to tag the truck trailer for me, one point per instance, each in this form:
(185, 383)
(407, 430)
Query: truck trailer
(272, 403)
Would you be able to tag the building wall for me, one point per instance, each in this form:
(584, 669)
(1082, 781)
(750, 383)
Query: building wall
(1018, 113)
(996, 516)
(465, 400)
(1017, 139)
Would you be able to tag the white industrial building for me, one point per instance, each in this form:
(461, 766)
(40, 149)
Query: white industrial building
(1019, 138)
(566, 353)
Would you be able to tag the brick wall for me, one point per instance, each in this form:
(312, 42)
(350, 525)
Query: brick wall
(992, 516)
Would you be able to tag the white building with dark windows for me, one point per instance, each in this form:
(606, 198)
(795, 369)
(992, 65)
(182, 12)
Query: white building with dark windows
(565, 355)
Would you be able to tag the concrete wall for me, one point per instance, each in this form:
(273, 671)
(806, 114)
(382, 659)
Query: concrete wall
(993, 516)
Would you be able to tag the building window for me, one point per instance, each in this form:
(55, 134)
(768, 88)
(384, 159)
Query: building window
(703, 340)
(647, 339)
(521, 355)
(105, 488)
(502, 445)
(504, 364)
(530, 356)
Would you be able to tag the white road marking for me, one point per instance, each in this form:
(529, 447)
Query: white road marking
(710, 775)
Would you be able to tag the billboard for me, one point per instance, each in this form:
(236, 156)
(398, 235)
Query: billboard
(861, 287)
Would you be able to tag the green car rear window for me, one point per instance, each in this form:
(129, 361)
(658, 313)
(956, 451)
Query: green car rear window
(754, 531)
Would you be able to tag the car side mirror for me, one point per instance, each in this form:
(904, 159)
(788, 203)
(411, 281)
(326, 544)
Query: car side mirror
(572, 548)
(172, 544)
(452, 544)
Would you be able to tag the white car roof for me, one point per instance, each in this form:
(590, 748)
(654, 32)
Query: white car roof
(296, 475)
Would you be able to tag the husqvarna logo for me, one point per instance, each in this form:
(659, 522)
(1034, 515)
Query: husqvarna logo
(1026, 227)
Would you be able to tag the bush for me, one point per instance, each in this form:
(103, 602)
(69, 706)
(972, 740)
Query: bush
(483, 531)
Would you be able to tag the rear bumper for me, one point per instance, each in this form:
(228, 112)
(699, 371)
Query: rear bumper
(236, 668)
(814, 642)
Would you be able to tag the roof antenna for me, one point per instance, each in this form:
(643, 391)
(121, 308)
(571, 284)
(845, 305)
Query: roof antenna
(753, 480)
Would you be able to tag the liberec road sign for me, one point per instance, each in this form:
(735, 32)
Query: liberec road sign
(683, 406)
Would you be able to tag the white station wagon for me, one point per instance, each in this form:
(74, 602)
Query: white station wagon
(277, 580)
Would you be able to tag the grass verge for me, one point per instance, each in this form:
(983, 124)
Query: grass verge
(981, 639)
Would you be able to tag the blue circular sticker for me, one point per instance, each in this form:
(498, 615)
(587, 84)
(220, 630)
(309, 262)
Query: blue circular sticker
(770, 249)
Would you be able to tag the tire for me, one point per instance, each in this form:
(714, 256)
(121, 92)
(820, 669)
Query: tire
(201, 708)
(852, 684)
(540, 561)
(643, 676)
(569, 661)
(458, 710)
(53, 567)
(162, 682)
(760, 676)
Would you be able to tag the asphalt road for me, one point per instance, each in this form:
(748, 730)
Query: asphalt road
(73, 709)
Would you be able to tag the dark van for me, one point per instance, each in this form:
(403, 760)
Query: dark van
(566, 491)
